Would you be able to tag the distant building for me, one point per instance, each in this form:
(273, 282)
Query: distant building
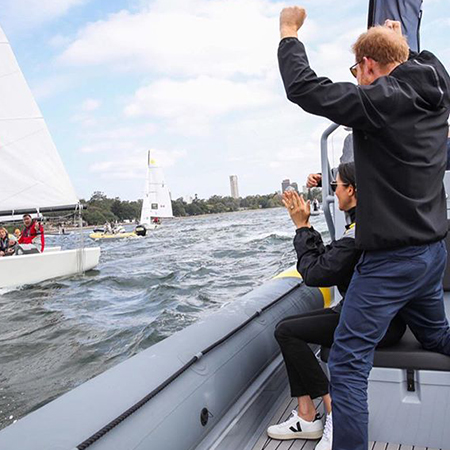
(234, 186)
(285, 184)
(188, 199)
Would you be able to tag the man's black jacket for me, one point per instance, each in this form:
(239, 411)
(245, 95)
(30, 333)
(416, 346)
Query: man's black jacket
(399, 129)
(326, 265)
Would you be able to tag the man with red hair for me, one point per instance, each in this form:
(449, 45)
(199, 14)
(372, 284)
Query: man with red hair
(398, 113)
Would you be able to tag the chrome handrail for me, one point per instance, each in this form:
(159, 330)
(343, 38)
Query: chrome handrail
(327, 193)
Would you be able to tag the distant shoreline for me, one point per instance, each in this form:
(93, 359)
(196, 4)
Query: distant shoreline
(54, 231)
(226, 212)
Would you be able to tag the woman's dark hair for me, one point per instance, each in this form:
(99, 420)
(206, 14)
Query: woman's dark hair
(347, 173)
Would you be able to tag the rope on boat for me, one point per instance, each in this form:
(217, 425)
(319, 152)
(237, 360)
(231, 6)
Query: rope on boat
(80, 249)
(96, 436)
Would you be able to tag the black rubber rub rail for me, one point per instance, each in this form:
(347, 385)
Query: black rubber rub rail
(96, 436)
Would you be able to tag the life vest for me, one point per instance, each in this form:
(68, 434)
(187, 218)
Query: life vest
(350, 230)
(31, 232)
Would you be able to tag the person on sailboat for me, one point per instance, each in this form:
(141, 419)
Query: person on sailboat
(320, 265)
(32, 239)
(7, 243)
(398, 113)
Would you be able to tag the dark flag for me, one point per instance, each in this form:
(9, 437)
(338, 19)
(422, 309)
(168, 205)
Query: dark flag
(407, 12)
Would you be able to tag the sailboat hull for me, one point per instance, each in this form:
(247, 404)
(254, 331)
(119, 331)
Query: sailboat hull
(31, 269)
(152, 226)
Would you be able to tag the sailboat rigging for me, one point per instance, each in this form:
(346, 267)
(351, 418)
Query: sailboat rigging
(35, 180)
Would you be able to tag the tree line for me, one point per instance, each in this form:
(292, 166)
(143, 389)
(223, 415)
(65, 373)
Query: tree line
(100, 209)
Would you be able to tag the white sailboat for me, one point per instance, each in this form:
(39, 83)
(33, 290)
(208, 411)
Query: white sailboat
(34, 179)
(157, 203)
(155, 206)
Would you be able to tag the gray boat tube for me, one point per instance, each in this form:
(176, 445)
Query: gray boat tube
(183, 412)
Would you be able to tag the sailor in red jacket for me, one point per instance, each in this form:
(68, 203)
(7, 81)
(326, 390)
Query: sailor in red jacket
(32, 235)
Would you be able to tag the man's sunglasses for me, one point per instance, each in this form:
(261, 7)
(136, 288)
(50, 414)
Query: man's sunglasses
(335, 184)
(354, 69)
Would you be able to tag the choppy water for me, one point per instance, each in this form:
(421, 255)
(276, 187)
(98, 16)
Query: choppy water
(56, 335)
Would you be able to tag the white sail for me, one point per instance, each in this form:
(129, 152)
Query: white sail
(157, 202)
(35, 177)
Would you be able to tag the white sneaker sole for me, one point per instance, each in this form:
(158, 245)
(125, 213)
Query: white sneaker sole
(300, 435)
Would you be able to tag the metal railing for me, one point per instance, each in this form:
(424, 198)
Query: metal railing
(327, 193)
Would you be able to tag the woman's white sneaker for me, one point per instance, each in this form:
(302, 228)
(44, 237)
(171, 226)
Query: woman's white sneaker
(296, 428)
(326, 443)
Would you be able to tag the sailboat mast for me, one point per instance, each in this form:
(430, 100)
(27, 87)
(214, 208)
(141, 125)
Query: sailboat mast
(147, 184)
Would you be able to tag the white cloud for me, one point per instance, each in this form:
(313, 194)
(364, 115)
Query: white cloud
(107, 147)
(169, 99)
(59, 41)
(217, 58)
(203, 96)
(87, 118)
(192, 105)
(133, 166)
(123, 132)
(119, 140)
(29, 13)
(190, 38)
(205, 70)
(90, 104)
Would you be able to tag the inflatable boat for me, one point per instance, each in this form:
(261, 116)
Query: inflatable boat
(218, 384)
(103, 236)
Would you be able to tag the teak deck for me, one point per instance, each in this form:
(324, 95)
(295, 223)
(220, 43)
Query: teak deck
(266, 443)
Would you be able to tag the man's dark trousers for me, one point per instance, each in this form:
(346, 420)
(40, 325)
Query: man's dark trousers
(384, 282)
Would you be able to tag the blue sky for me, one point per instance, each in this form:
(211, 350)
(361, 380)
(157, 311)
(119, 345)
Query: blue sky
(196, 81)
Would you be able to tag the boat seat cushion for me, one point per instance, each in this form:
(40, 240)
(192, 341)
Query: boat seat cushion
(407, 354)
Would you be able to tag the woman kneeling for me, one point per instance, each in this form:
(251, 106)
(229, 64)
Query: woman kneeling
(320, 265)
